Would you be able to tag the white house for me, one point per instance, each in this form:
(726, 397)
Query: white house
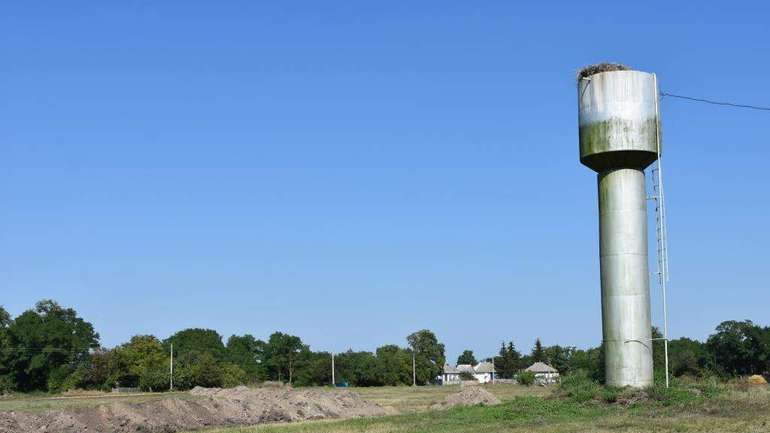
(483, 372)
(544, 373)
(450, 376)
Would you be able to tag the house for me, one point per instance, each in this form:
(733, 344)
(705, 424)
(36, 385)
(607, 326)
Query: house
(450, 376)
(484, 372)
(544, 373)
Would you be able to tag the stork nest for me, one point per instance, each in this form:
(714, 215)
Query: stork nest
(600, 67)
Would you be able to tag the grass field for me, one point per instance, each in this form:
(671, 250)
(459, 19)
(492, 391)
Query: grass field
(405, 400)
(521, 411)
(524, 409)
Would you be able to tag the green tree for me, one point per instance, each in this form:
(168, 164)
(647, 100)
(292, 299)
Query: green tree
(199, 341)
(142, 362)
(687, 357)
(313, 368)
(589, 362)
(232, 375)
(281, 353)
(658, 356)
(538, 354)
(508, 362)
(45, 346)
(97, 373)
(559, 357)
(7, 379)
(196, 368)
(394, 365)
(357, 368)
(739, 348)
(429, 355)
(467, 358)
(5, 319)
(247, 353)
(525, 378)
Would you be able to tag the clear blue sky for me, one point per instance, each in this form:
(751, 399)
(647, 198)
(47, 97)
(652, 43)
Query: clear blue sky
(353, 171)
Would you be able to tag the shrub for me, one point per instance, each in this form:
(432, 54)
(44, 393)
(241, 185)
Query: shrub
(526, 378)
(154, 379)
(467, 376)
(675, 394)
(710, 387)
(581, 388)
(6, 384)
(232, 375)
(610, 394)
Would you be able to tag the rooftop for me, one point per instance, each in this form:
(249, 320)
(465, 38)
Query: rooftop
(541, 367)
(485, 367)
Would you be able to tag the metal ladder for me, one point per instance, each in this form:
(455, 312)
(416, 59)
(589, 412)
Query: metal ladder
(661, 231)
(661, 234)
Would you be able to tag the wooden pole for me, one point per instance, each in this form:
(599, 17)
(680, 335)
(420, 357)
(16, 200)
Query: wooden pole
(171, 369)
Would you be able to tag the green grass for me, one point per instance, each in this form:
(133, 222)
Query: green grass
(578, 407)
(405, 399)
(735, 412)
(522, 412)
(702, 406)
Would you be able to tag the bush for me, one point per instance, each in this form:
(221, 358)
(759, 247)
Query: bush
(710, 387)
(526, 378)
(581, 388)
(232, 375)
(675, 394)
(610, 394)
(467, 376)
(6, 384)
(154, 379)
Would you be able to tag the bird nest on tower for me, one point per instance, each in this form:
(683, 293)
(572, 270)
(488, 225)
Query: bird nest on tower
(600, 67)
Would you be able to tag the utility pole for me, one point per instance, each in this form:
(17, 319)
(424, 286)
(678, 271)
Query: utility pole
(334, 383)
(414, 370)
(171, 369)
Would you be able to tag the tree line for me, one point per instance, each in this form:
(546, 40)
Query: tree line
(51, 348)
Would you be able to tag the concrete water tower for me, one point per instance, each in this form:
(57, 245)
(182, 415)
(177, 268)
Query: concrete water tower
(619, 138)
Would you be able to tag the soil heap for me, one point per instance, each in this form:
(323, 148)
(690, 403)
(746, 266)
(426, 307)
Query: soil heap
(203, 407)
(468, 396)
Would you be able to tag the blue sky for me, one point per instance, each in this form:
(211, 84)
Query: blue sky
(352, 172)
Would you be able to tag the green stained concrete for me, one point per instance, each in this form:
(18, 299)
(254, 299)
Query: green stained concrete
(618, 143)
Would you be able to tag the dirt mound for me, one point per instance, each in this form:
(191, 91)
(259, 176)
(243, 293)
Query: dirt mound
(756, 380)
(205, 407)
(468, 396)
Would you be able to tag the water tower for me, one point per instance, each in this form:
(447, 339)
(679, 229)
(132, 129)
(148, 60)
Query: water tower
(619, 138)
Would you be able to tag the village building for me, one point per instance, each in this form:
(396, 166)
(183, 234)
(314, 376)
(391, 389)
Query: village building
(450, 376)
(484, 372)
(544, 373)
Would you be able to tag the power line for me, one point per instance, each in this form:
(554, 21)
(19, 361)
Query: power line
(712, 102)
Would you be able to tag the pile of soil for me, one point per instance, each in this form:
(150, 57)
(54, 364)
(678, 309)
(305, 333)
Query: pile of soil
(468, 396)
(209, 407)
(756, 380)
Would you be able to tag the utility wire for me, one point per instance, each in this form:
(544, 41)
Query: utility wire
(712, 102)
